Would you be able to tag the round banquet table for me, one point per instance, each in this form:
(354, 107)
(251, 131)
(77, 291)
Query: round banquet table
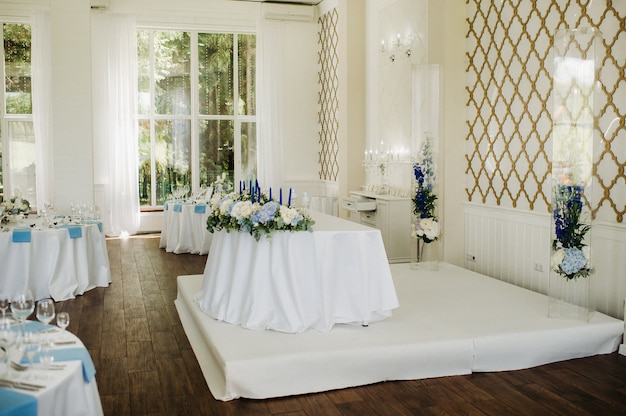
(69, 391)
(57, 263)
(294, 281)
(184, 228)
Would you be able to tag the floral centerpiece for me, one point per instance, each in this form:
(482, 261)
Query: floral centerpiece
(570, 257)
(426, 226)
(15, 206)
(256, 214)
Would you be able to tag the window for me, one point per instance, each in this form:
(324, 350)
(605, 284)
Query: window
(17, 150)
(197, 110)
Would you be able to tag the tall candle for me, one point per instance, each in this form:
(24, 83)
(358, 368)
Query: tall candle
(289, 200)
(239, 187)
(270, 193)
(281, 196)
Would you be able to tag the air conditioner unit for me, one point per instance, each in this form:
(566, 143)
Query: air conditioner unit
(99, 4)
(296, 13)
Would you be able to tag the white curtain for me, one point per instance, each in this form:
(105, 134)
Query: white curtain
(114, 62)
(41, 84)
(269, 102)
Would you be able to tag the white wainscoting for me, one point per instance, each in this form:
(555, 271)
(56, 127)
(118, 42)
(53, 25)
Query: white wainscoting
(150, 222)
(514, 246)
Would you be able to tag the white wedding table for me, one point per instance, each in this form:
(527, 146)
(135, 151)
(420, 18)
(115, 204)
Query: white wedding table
(57, 263)
(184, 228)
(70, 391)
(294, 281)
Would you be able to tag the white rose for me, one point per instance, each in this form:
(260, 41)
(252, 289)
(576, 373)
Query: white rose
(557, 258)
(287, 214)
(430, 228)
(224, 206)
(242, 209)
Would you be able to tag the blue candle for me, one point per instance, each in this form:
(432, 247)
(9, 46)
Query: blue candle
(281, 196)
(289, 201)
(270, 193)
(239, 187)
(250, 187)
(252, 194)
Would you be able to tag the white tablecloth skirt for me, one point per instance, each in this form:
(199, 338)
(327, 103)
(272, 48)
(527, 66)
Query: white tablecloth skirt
(296, 281)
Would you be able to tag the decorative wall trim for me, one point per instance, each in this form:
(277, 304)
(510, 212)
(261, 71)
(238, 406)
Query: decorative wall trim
(328, 95)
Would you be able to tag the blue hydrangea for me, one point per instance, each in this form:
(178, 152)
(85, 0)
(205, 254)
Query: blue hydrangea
(267, 213)
(296, 220)
(574, 260)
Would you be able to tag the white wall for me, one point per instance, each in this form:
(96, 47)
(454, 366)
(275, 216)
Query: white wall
(71, 102)
(441, 30)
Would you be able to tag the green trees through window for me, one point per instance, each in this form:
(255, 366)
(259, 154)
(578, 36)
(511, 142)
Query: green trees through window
(197, 110)
(17, 139)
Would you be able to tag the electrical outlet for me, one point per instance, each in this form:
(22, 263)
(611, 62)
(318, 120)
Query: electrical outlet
(538, 267)
(470, 257)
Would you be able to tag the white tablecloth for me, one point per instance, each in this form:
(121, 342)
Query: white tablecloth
(184, 228)
(53, 264)
(66, 392)
(295, 281)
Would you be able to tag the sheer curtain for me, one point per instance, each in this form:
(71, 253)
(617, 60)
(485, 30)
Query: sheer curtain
(114, 62)
(41, 64)
(269, 102)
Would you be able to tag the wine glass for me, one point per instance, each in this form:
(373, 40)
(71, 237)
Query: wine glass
(31, 344)
(46, 356)
(45, 311)
(4, 305)
(63, 320)
(22, 305)
(8, 337)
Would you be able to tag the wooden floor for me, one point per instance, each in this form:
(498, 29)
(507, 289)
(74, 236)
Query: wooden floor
(145, 365)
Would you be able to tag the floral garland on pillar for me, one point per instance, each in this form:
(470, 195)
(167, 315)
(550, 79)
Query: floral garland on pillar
(426, 225)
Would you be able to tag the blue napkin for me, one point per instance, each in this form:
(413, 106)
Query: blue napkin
(21, 235)
(35, 326)
(74, 230)
(199, 209)
(178, 208)
(13, 403)
(165, 207)
(71, 354)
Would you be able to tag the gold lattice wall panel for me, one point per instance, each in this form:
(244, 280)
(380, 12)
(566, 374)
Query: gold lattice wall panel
(328, 96)
(510, 101)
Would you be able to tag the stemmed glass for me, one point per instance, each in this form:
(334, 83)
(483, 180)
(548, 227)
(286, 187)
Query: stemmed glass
(8, 338)
(45, 311)
(22, 306)
(31, 344)
(63, 320)
(46, 357)
(4, 305)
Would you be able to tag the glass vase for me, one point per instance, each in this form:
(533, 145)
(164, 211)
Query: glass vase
(425, 256)
(574, 121)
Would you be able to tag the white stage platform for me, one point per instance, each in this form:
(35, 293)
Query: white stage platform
(450, 322)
